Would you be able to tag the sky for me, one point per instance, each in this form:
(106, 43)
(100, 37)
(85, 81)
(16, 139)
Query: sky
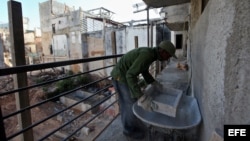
(123, 9)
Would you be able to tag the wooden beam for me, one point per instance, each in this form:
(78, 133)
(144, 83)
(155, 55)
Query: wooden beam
(18, 58)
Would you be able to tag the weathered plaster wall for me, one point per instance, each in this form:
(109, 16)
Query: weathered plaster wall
(237, 80)
(46, 42)
(47, 10)
(220, 55)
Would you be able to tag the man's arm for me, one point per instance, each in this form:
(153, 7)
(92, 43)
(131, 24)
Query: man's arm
(140, 65)
(148, 77)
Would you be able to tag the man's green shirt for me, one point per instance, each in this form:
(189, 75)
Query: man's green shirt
(132, 64)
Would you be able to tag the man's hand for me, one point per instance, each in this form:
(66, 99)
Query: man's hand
(145, 102)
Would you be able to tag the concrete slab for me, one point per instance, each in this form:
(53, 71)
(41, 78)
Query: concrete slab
(166, 104)
(187, 116)
(165, 100)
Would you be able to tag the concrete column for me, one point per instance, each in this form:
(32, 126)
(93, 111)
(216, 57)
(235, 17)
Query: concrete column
(114, 51)
(18, 58)
(136, 41)
(85, 52)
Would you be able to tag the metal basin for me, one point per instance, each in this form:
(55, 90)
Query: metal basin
(187, 115)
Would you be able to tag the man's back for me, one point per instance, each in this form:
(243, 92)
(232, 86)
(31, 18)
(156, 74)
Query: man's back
(136, 60)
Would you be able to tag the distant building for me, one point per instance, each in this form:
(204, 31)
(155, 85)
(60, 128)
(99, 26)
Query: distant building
(33, 46)
(32, 43)
(5, 52)
(62, 28)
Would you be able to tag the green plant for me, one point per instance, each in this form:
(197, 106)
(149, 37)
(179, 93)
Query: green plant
(68, 84)
(81, 80)
(64, 85)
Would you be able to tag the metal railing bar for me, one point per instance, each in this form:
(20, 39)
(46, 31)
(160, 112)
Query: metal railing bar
(91, 119)
(51, 81)
(55, 130)
(27, 68)
(50, 99)
(47, 118)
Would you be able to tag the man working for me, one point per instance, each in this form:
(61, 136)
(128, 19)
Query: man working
(125, 80)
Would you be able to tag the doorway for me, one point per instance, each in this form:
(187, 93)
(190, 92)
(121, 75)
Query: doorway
(178, 41)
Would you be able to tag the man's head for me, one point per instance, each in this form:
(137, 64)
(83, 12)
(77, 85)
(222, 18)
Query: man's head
(167, 50)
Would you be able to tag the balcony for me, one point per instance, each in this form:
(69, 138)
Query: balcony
(46, 103)
(43, 110)
(172, 76)
(98, 121)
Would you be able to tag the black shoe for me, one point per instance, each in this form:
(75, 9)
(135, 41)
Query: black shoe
(135, 135)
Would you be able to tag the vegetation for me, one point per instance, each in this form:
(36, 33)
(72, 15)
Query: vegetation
(63, 85)
(54, 89)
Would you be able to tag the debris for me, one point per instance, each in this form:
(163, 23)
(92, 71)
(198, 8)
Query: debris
(183, 66)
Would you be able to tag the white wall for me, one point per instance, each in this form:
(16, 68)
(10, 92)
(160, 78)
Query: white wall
(60, 45)
(142, 34)
(220, 57)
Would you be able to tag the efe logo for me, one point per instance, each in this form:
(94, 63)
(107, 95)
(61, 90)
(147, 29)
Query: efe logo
(236, 132)
(239, 132)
